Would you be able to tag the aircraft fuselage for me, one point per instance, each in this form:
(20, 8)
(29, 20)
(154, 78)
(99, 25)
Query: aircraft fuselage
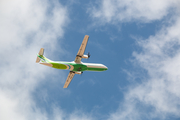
(72, 66)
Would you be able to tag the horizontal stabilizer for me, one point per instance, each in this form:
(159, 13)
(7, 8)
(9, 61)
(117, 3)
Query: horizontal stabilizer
(38, 59)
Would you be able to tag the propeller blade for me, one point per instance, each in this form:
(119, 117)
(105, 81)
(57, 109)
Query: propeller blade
(81, 73)
(89, 54)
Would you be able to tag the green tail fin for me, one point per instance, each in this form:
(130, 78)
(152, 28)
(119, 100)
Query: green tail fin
(41, 52)
(41, 57)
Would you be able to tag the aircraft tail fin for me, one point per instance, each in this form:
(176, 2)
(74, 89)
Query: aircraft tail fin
(41, 52)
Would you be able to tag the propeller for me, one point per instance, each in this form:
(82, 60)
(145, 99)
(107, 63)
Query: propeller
(89, 54)
(81, 73)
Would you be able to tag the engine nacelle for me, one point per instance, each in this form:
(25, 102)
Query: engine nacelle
(85, 56)
(78, 73)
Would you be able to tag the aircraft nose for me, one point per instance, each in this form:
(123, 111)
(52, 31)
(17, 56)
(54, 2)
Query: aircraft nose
(106, 68)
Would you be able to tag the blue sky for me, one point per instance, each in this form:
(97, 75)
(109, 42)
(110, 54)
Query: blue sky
(139, 42)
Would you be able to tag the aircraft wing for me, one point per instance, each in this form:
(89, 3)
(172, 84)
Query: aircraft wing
(81, 49)
(69, 78)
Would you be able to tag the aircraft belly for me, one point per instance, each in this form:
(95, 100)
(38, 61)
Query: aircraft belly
(79, 67)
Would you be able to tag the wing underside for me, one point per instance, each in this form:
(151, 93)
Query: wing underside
(69, 78)
(81, 49)
(77, 60)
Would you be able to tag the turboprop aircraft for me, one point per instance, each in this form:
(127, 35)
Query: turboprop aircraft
(75, 67)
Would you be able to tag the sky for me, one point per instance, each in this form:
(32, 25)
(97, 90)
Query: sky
(138, 40)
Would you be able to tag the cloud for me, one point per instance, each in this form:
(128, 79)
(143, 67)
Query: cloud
(113, 11)
(76, 115)
(157, 97)
(160, 57)
(26, 26)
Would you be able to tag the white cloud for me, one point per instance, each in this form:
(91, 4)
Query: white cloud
(158, 95)
(26, 26)
(77, 115)
(113, 11)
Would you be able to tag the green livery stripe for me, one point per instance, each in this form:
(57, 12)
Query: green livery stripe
(96, 69)
(44, 59)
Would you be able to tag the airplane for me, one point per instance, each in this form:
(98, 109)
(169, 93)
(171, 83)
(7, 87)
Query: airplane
(75, 67)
